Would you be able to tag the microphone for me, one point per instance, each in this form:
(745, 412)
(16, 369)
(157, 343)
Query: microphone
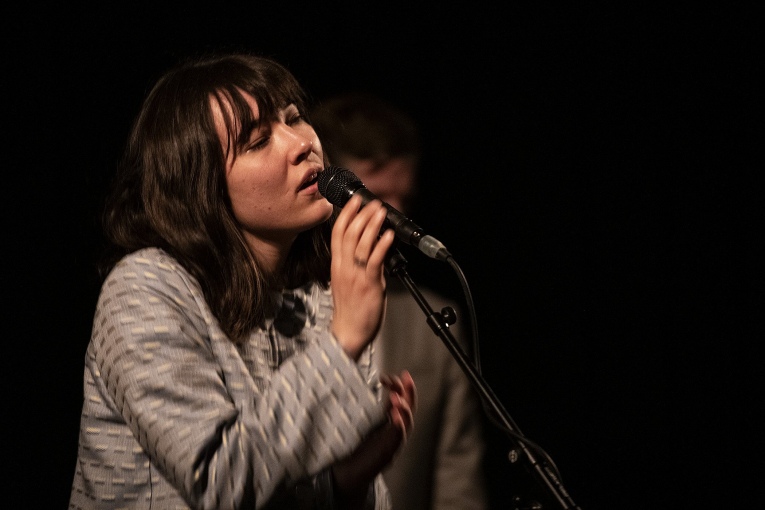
(337, 185)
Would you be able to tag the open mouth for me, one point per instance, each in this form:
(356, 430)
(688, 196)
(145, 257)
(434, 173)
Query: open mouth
(311, 180)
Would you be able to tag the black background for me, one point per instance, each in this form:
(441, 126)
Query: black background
(592, 169)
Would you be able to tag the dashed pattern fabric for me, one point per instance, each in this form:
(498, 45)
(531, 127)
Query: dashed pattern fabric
(177, 416)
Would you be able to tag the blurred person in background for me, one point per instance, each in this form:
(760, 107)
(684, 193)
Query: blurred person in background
(441, 467)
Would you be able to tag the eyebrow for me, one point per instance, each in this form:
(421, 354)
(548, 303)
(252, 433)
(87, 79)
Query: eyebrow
(249, 128)
(256, 122)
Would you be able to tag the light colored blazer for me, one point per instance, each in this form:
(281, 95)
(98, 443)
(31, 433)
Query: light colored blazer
(177, 416)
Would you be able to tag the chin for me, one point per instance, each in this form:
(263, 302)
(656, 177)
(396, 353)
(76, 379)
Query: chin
(324, 211)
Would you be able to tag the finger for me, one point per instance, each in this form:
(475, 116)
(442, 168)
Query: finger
(361, 231)
(394, 391)
(393, 383)
(372, 228)
(400, 396)
(398, 424)
(403, 384)
(409, 389)
(347, 214)
(401, 414)
(380, 250)
(405, 410)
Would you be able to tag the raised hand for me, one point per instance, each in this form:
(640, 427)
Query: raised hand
(358, 282)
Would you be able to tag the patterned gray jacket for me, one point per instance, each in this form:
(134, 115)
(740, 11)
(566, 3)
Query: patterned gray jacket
(175, 415)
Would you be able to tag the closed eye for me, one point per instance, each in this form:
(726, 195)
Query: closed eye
(259, 138)
(291, 115)
(258, 143)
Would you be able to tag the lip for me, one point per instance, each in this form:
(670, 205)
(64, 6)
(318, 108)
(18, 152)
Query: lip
(309, 176)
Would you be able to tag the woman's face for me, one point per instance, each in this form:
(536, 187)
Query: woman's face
(272, 180)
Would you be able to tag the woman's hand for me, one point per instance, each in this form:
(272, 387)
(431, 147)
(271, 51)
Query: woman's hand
(353, 474)
(358, 282)
(402, 403)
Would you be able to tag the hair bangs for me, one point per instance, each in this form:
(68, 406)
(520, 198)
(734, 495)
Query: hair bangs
(270, 84)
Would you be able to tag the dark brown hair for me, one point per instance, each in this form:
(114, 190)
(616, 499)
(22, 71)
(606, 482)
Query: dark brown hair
(170, 190)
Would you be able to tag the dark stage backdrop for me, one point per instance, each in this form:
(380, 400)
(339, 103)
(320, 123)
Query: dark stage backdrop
(591, 169)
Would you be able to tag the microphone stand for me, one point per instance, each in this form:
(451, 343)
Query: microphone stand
(395, 264)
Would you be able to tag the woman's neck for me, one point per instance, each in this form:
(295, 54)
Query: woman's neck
(271, 257)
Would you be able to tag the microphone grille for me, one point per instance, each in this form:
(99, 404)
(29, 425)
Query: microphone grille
(338, 184)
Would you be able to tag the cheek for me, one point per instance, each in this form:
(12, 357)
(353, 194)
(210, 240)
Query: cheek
(245, 194)
(236, 186)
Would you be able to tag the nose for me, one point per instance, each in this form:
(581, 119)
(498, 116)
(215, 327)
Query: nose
(300, 143)
(306, 146)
